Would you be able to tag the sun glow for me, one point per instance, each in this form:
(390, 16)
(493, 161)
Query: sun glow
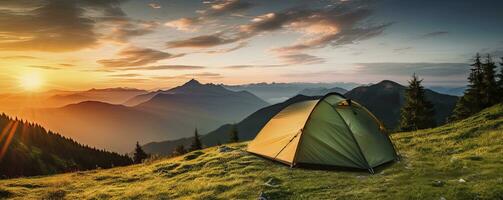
(31, 81)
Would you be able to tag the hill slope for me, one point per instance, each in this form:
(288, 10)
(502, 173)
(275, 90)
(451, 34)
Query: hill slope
(28, 149)
(457, 161)
(107, 95)
(385, 99)
(109, 126)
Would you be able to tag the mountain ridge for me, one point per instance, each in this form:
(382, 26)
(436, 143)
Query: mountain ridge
(167, 116)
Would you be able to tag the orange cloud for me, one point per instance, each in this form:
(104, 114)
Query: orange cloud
(135, 56)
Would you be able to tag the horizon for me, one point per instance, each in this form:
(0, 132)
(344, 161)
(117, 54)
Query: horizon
(146, 44)
(235, 85)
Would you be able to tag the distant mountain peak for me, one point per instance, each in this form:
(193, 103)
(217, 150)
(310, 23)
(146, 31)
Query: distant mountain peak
(192, 82)
(388, 83)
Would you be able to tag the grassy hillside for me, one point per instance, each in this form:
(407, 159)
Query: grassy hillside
(456, 161)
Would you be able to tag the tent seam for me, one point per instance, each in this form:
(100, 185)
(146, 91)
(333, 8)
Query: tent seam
(307, 120)
(352, 136)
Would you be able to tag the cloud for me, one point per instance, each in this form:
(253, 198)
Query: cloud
(215, 9)
(54, 26)
(204, 41)
(166, 67)
(67, 65)
(422, 69)
(402, 50)
(129, 80)
(433, 34)
(184, 24)
(124, 30)
(204, 75)
(44, 67)
(124, 75)
(18, 58)
(218, 51)
(252, 66)
(337, 25)
(155, 5)
(135, 56)
(300, 58)
(65, 25)
(222, 7)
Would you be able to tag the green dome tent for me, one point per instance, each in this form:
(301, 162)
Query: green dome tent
(332, 131)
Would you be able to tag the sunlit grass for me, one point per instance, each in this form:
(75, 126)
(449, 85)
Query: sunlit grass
(458, 161)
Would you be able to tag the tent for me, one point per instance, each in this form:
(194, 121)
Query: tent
(333, 131)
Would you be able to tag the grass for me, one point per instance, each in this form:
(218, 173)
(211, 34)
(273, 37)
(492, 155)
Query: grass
(462, 160)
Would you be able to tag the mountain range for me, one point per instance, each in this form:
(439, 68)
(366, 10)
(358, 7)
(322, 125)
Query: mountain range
(173, 114)
(384, 99)
(322, 91)
(455, 91)
(279, 92)
(107, 95)
(16, 102)
(167, 115)
(247, 129)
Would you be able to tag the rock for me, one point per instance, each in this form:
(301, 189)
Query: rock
(462, 180)
(438, 183)
(262, 196)
(224, 149)
(272, 182)
(361, 177)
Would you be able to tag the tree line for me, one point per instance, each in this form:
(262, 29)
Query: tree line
(485, 89)
(198, 145)
(28, 149)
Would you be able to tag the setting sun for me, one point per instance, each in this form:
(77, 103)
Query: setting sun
(31, 81)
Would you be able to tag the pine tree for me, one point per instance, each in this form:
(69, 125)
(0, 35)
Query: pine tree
(489, 84)
(471, 101)
(500, 81)
(139, 154)
(196, 143)
(417, 112)
(234, 135)
(179, 150)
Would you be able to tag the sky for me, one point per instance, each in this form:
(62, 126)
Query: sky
(151, 44)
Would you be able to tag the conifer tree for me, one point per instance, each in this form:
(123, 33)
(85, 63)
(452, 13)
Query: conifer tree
(489, 84)
(471, 101)
(234, 135)
(139, 154)
(500, 81)
(179, 150)
(196, 143)
(417, 112)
